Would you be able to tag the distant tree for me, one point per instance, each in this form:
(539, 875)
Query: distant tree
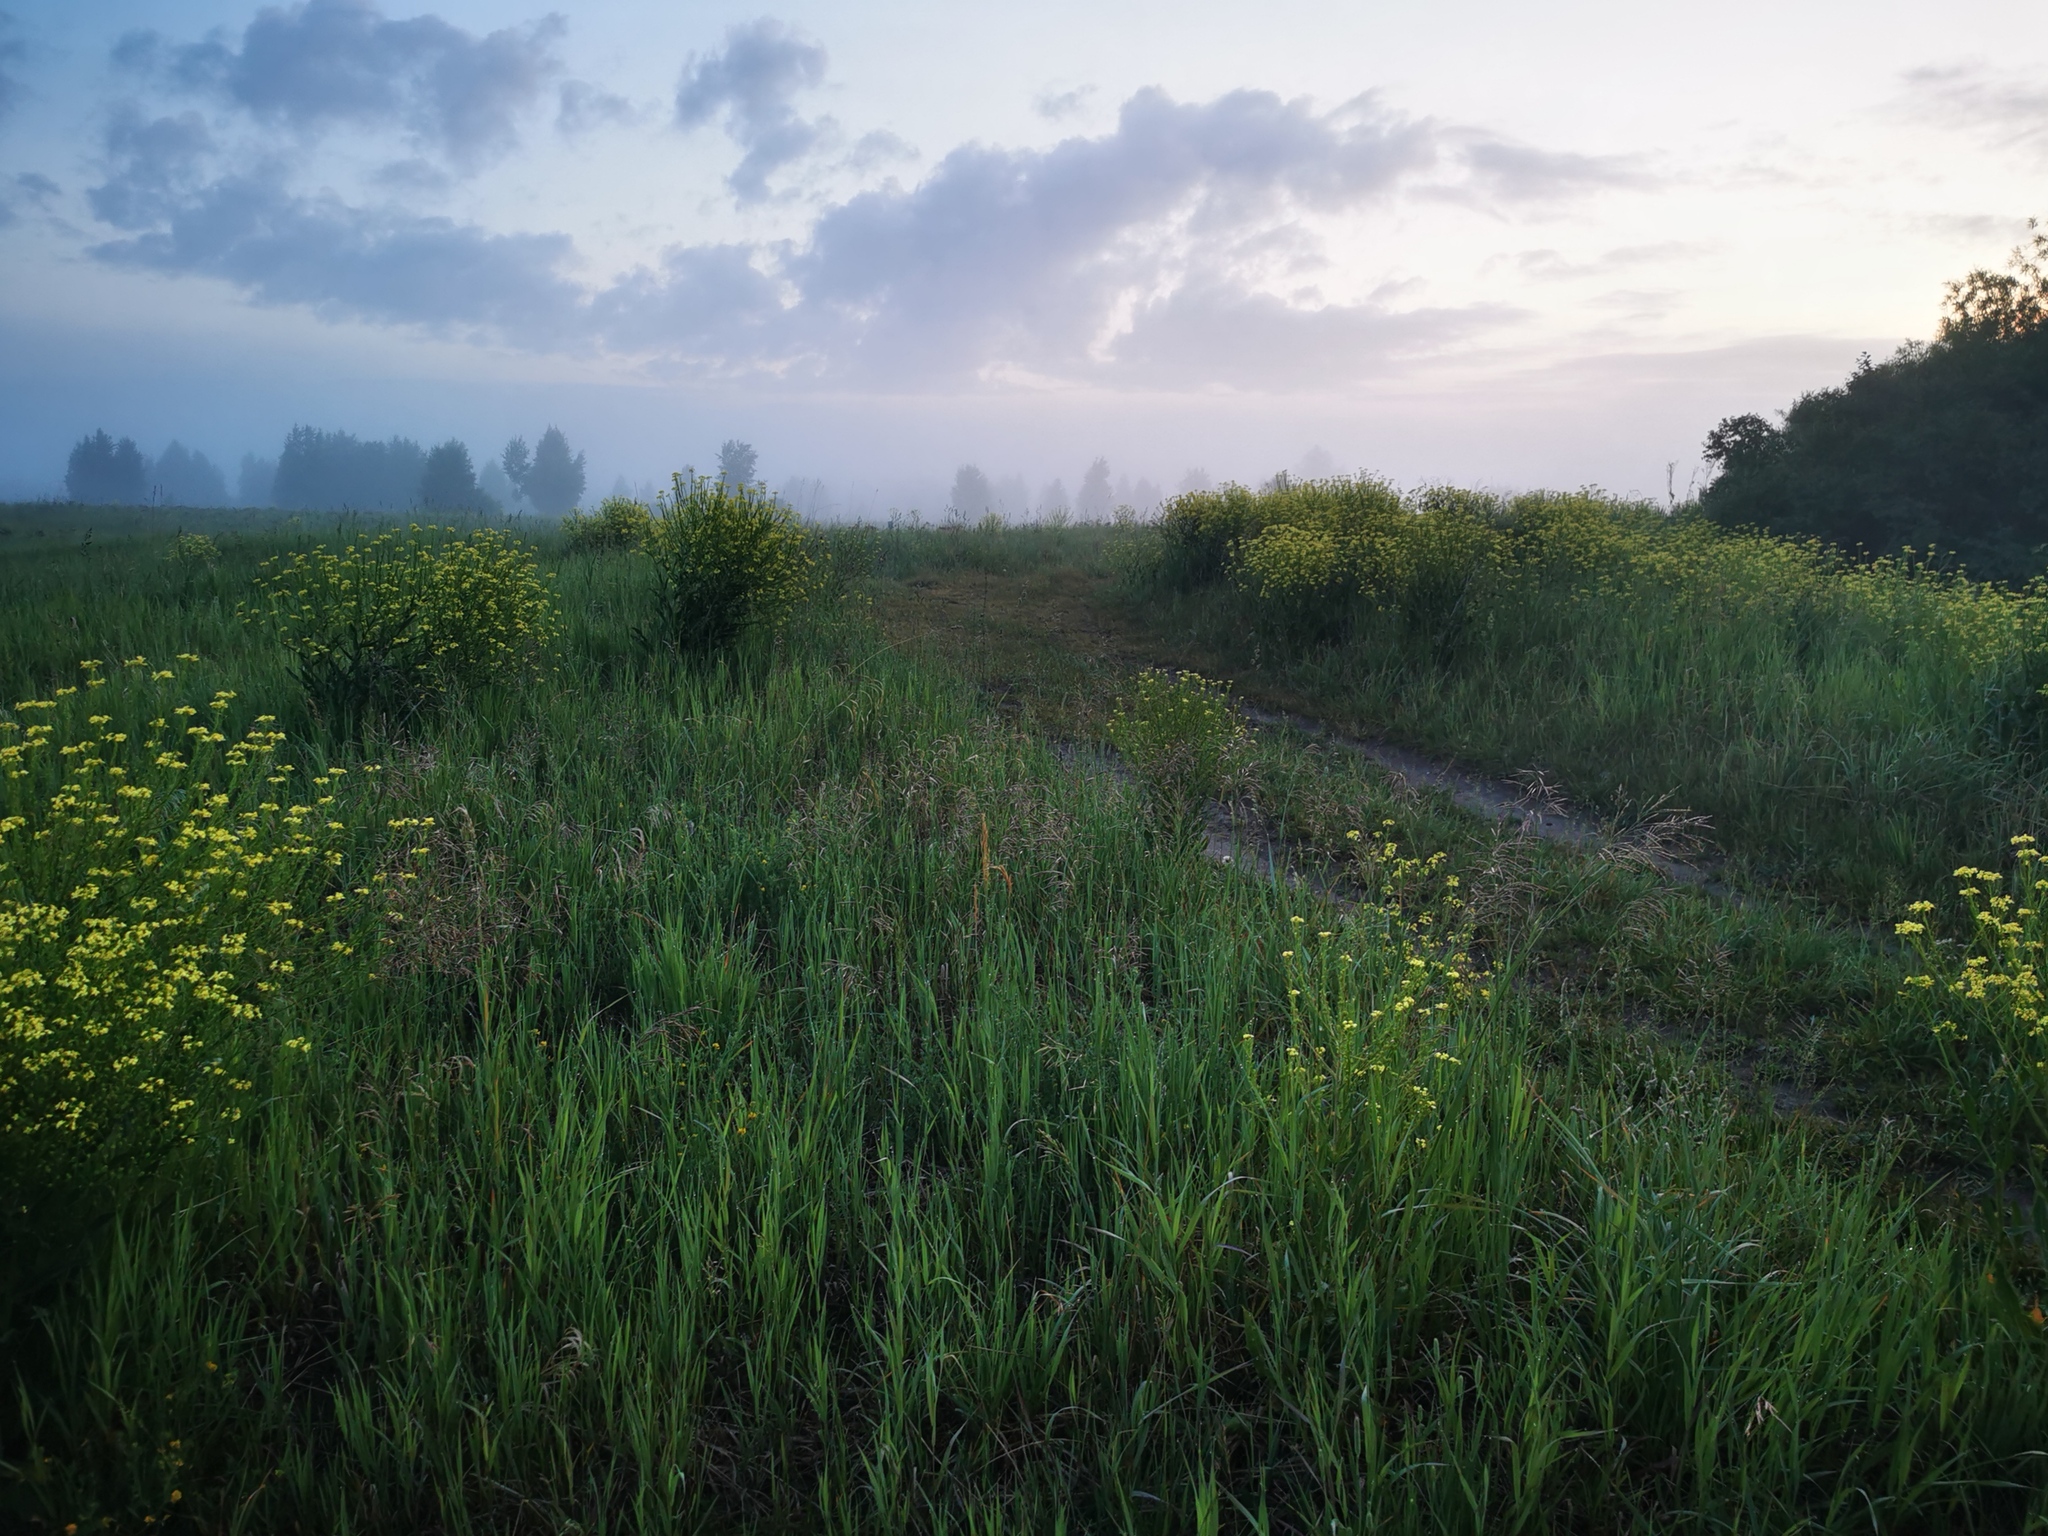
(555, 483)
(736, 462)
(257, 481)
(1998, 306)
(517, 464)
(105, 473)
(448, 480)
(973, 498)
(327, 471)
(495, 485)
(1013, 496)
(187, 479)
(1052, 501)
(1195, 480)
(1093, 501)
(1145, 495)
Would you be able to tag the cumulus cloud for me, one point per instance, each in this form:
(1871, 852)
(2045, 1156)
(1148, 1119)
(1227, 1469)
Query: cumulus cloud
(750, 86)
(156, 163)
(323, 64)
(1169, 249)
(345, 262)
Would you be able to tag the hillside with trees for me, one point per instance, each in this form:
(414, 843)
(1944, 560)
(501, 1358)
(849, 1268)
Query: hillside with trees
(1942, 446)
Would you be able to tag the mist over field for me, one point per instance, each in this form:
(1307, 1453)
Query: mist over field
(1176, 243)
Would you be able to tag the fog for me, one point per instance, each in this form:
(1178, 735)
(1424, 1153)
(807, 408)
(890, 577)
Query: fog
(1632, 425)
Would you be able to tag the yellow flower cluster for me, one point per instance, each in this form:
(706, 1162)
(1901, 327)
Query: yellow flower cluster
(1179, 733)
(160, 877)
(1371, 1004)
(387, 621)
(1306, 552)
(1982, 999)
(729, 558)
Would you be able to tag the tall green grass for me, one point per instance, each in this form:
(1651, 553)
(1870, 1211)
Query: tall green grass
(1854, 730)
(796, 1101)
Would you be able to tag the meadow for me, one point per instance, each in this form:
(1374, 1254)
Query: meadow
(799, 1080)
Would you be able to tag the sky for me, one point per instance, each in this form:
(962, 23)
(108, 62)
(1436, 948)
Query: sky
(1484, 244)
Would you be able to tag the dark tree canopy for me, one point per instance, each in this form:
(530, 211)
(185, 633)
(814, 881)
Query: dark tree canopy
(1942, 445)
(736, 462)
(330, 471)
(448, 481)
(555, 482)
(105, 473)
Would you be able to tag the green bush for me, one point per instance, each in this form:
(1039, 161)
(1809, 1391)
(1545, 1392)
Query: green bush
(1180, 735)
(387, 624)
(730, 559)
(618, 523)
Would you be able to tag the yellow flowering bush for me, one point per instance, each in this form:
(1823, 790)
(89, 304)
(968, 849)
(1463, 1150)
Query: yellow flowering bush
(193, 549)
(618, 523)
(1180, 735)
(729, 558)
(1981, 998)
(162, 880)
(1372, 1005)
(385, 624)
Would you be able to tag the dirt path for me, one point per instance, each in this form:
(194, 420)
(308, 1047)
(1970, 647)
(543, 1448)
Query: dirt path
(1534, 813)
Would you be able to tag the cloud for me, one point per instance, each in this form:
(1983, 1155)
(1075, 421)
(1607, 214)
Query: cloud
(750, 85)
(1548, 264)
(1173, 249)
(156, 164)
(1026, 253)
(344, 262)
(584, 106)
(1503, 171)
(2007, 110)
(1256, 341)
(1056, 105)
(328, 63)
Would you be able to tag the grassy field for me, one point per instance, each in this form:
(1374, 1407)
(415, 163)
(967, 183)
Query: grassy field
(799, 1090)
(1854, 732)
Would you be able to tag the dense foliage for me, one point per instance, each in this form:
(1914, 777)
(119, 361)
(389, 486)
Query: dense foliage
(319, 470)
(1179, 734)
(550, 477)
(391, 621)
(729, 558)
(618, 523)
(1942, 447)
(102, 472)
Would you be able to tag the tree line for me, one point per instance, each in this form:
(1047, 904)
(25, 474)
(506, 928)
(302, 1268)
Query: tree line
(319, 470)
(1942, 447)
